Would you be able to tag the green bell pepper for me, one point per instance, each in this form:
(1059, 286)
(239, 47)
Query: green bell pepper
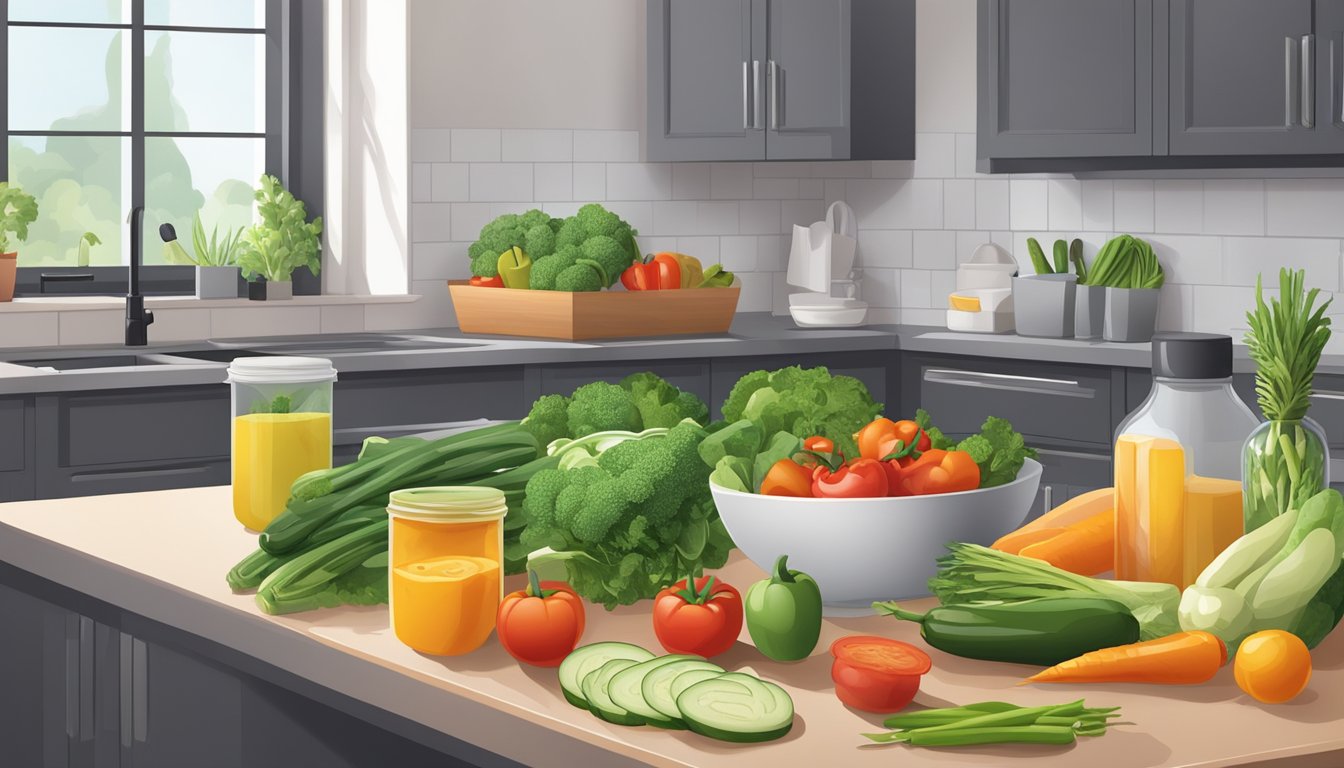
(515, 268)
(783, 613)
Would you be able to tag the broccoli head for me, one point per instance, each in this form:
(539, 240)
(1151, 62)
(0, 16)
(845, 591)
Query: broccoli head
(660, 403)
(603, 236)
(549, 419)
(531, 231)
(599, 407)
(539, 239)
(585, 275)
(609, 253)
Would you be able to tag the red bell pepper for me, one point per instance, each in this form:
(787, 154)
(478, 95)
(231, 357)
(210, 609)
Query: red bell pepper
(487, 282)
(936, 471)
(861, 479)
(660, 272)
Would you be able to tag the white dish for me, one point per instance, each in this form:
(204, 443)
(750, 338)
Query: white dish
(825, 301)
(980, 322)
(864, 550)
(829, 317)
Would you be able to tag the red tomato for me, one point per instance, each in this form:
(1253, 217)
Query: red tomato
(875, 674)
(863, 479)
(540, 625)
(787, 478)
(703, 621)
(487, 282)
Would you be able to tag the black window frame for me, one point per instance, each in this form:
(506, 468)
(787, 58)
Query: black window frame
(294, 132)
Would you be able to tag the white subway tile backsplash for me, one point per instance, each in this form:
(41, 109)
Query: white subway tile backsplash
(638, 215)
(1220, 308)
(266, 320)
(553, 181)
(917, 316)
(935, 155)
(673, 217)
(811, 189)
(737, 253)
(892, 248)
(772, 253)
(562, 209)
(1246, 257)
(94, 327)
(893, 169)
(1234, 207)
(1098, 205)
(1179, 206)
(834, 190)
(537, 146)
(431, 222)
(716, 218)
(935, 249)
(730, 181)
(992, 203)
(467, 220)
(966, 155)
(916, 289)
(475, 145)
(31, 329)
(339, 318)
(758, 292)
(942, 283)
(759, 217)
(501, 182)
(1029, 207)
(967, 242)
(420, 183)
(431, 145)
(1134, 205)
(801, 212)
(639, 181)
(590, 182)
(900, 204)
(440, 261)
(449, 182)
(881, 287)
(959, 203)
(1305, 207)
(775, 189)
(1189, 259)
(1065, 204)
(1174, 308)
(706, 249)
(606, 146)
(690, 181)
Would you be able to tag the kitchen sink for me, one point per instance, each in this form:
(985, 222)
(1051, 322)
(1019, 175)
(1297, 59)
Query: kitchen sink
(347, 344)
(219, 355)
(93, 361)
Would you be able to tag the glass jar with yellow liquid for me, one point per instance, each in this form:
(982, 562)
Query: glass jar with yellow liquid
(281, 430)
(446, 560)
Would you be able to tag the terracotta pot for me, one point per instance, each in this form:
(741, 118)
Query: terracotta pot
(9, 265)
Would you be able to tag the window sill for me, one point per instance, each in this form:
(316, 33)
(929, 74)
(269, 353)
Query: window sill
(91, 303)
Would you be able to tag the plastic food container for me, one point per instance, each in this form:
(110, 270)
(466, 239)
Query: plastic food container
(281, 429)
(446, 565)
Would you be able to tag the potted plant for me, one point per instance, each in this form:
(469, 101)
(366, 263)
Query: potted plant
(215, 258)
(86, 243)
(1127, 267)
(1089, 316)
(18, 209)
(282, 242)
(1044, 303)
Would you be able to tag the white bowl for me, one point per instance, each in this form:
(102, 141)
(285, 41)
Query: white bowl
(829, 317)
(863, 550)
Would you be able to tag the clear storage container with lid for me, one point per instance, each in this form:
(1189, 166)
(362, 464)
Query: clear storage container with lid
(446, 560)
(281, 430)
(1193, 403)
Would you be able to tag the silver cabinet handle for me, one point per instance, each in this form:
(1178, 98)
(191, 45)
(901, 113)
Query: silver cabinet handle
(1028, 384)
(126, 657)
(85, 678)
(757, 87)
(1325, 394)
(1048, 499)
(139, 690)
(1291, 74)
(72, 676)
(774, 95)
(746, 96)
(1308, 78)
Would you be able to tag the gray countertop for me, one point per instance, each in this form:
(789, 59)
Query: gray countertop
(752, 334)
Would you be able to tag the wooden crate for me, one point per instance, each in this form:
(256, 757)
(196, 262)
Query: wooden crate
(597, 315)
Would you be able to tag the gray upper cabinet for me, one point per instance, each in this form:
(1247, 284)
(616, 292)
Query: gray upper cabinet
(781, 79)
(1242, 77)
(1065, 78)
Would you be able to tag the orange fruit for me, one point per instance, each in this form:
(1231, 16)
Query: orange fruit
(1272, 666)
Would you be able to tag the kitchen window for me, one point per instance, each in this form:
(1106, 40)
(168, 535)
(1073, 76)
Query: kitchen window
(176, 105)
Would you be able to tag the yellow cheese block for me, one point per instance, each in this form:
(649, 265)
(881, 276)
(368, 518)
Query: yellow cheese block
(1150, 509)
(1213, 520)
(964, 303)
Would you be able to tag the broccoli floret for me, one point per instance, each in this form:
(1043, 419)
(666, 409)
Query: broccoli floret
(539, 502)
(539, 239)
(579, 278)
(548, 420)
(661, 404)
(571, 232)
(507, 231)
(609, 253)
(485, 265)
(599, 407)
(544, 272)
(603, 507)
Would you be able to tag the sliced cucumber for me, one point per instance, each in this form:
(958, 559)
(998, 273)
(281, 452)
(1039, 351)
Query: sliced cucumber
(656, 687)
(588, 658)
(686, 679)
(737, 707)
(625, 690)
(595, 685)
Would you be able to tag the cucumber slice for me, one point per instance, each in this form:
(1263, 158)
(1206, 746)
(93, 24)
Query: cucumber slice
(686, 679)
(656, 687)
(595, 685)
(737, 707)
(625, 690)
(588, 658)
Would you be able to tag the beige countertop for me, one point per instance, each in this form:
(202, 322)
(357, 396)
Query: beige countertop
(163, 556)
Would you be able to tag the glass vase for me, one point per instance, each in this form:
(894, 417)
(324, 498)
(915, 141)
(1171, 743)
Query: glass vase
(1284, 463)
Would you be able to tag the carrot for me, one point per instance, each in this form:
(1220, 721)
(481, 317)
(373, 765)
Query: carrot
(1184, 658)
(1018, 540)
(1085, 548)
(1074, 510)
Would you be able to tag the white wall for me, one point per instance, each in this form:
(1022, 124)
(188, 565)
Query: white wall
(476, 154)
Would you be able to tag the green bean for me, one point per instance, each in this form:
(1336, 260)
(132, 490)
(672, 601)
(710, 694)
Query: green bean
(930, 717)
(965, 737)
(1016, 717)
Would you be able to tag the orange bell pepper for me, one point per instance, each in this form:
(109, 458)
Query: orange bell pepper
(487, 282)
(883, 437)
(938, 471)
(787, 477)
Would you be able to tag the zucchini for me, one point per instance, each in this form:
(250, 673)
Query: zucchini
(253, 569)
(737, 707)
(585, 659)
(626, 690)
(1076, 256)
(1061, 257)
(595, 686)
(1038, 262)
(304, 583)
(656, 686)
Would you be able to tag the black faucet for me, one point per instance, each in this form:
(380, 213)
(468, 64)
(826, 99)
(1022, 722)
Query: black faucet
(137, 319)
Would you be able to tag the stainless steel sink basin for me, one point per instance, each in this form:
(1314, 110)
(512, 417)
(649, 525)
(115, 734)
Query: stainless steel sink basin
(93, 361)
(346, 344)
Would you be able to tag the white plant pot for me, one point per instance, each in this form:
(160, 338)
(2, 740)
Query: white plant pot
(216, 282)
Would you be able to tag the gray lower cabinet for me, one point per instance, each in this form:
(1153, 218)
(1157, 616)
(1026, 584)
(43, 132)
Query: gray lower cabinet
(780, 79)
(17, 434)
(1065, 78)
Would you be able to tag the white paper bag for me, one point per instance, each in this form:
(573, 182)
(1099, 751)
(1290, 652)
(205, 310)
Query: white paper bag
(823, 251)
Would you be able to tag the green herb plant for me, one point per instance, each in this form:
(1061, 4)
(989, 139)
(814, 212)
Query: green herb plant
(1284, 463)
(18, 209)
(1126, 262)
(85, 244)
(217, 250)
(284, 240)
